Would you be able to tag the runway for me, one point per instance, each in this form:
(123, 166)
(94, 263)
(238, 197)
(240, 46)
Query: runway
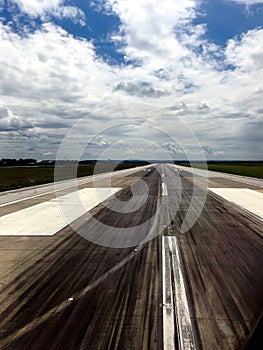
(114, 287)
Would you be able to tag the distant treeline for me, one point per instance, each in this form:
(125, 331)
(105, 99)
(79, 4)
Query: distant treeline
(32, 162)
(221, 162)
(17, 162)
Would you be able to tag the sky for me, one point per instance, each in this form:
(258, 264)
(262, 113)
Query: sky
(124, 79)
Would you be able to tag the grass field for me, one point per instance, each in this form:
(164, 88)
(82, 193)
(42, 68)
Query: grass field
(16, 177)
(252, 169)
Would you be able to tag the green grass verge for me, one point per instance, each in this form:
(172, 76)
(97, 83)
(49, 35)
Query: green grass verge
(252, 169)
(17, 177)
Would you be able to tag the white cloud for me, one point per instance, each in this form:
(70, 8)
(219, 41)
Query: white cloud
(46, 64)
(246, 52)
(248, 2)
(37, 8)
(46, 8)
(70, 12)
(49, 79)
(148, 27)
(10, 122)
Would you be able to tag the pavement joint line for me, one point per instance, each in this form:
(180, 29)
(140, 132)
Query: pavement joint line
(175, 302)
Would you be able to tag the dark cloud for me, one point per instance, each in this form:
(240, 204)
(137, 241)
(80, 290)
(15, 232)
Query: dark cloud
(235, 116)
(182, 109)
(52, 125)
(3, 112)
(252, 132)
(177, 107)
(207, 150)
(163, 74)
(141, 90)
(13, 124)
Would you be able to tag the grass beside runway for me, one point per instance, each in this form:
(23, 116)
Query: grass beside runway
(252, 169)
(19, 176)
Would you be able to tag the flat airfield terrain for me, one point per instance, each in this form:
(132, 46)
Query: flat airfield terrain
(202, 288)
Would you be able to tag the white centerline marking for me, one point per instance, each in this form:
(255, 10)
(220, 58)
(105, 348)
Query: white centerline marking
(175, 303)
(164, 189)
(168, 306)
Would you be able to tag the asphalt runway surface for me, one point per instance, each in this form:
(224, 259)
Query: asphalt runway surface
(85, 291)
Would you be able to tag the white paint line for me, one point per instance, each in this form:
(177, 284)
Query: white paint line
(45, 219)
(31, 197)
(245, 198)
(168, 306)
(164, 189)
(55, 190)
(172, 265)
(162, 174)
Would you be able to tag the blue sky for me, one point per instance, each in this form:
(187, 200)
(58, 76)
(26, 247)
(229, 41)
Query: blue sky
(191, 62)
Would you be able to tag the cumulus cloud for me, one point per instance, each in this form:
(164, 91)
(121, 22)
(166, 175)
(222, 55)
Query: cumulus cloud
(46, 8)
(37, 8)
(10, 122)
(148, 28)
(246, 52)
(47, 64)
(50, 79)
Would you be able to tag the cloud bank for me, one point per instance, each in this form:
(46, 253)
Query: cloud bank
(50, 78)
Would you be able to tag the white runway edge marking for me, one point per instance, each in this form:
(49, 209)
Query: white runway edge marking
(33, 196)
(164, 189)
(245, 198)
(175, 302)
(45, 219)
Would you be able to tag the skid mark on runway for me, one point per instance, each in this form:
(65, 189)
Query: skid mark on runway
(67, 302)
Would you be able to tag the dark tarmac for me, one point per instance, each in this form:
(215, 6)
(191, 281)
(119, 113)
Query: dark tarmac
(64, 292)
